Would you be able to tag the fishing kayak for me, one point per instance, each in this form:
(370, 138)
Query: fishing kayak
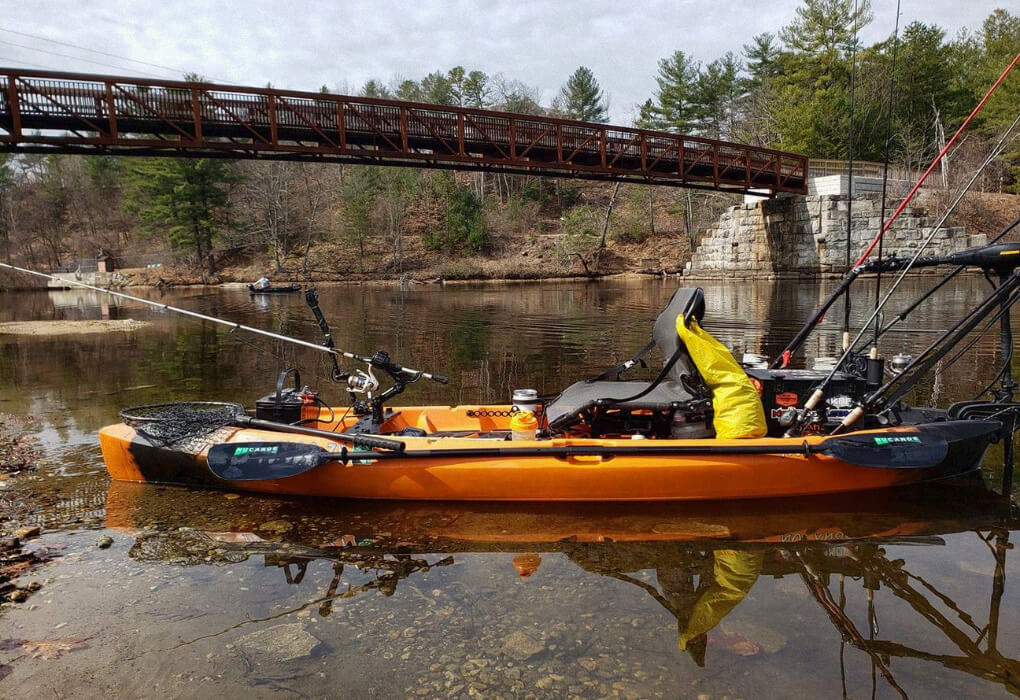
(463, 454)
(704, 429)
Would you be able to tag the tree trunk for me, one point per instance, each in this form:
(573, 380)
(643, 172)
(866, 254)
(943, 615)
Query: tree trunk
(651, 211)
(609, 211)
(605, 229)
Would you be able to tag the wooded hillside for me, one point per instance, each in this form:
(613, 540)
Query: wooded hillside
(790, 90)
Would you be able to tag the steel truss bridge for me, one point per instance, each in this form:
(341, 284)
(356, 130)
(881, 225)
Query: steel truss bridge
(51, 112)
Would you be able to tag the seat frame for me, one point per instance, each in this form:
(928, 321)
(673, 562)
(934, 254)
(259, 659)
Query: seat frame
(629, 414)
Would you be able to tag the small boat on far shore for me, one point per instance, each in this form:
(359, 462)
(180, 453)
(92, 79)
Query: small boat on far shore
(274, 290)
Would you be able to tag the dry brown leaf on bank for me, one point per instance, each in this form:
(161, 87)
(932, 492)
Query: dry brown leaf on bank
(49, 650)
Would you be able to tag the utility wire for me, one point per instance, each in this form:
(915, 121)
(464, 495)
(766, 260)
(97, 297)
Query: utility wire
(33, 64)
(96, 51)
(77, 58)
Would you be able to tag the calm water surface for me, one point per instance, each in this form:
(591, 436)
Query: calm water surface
(207, 594)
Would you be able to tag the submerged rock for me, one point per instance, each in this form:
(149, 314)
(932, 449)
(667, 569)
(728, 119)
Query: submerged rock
(276, 527)
(768, 639)
(282, 642)
(104, 542)
(522, 646)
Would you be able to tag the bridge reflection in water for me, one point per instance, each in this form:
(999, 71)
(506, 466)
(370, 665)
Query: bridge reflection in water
(706, 558)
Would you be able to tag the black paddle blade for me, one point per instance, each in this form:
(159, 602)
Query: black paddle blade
(258, 461)
(920, 450)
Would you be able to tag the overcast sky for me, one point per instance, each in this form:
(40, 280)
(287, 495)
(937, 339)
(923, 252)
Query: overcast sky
(303, 45)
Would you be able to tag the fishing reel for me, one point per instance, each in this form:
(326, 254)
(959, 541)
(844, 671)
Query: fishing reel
(800, 421)
(362, 382)
(365, 382)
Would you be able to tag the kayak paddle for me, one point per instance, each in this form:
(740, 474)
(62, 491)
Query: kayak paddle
(257, 461)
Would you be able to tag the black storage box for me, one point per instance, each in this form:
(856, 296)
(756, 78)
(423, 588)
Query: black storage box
(784, 388)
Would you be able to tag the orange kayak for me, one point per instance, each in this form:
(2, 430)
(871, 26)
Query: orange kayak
(462, 454)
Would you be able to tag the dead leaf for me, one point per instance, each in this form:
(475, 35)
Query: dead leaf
(51, 650)
(733, 643)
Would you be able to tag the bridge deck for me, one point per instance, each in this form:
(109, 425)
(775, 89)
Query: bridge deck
(42, 111)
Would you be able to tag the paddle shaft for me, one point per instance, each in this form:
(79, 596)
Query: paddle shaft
(368, 440)
(804, 448)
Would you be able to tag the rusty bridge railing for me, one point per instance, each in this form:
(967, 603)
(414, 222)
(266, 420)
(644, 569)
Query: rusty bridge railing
(48, 112)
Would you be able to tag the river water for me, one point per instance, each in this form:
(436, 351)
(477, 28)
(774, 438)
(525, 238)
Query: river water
(211, 594)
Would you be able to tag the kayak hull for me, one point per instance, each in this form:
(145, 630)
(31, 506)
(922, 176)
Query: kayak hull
(788, 472)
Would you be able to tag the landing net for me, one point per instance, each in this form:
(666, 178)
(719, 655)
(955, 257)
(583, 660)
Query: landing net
(166, 424)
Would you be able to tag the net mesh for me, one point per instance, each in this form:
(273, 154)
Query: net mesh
(167, 424)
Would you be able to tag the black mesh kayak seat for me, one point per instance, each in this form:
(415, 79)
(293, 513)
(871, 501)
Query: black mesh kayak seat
(677, 385)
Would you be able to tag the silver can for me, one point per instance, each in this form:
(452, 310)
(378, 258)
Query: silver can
(525, 400)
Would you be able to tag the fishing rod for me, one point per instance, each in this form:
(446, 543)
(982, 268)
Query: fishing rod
(996, 150)
(783, 360)
(850, 177)
(328, 349)
(1002, 298)
(983, 257)
(885, 166)
(819, 393)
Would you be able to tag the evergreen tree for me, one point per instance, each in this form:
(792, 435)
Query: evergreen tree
(1000, 38)
(648, 116)
(812, 95)
(374, 88)
(715, 97)
(437, 89)
(825, 28)
(409, 91)
(456, 77)
(476, 90)
(465, 225)
(673, 107)
(582, 99)
(183, 198)
(924, 91)
(762, 56)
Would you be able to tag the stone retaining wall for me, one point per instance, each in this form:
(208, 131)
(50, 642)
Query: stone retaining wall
(806, 237)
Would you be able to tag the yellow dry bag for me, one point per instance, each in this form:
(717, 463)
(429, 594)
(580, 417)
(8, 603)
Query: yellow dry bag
(737, 407)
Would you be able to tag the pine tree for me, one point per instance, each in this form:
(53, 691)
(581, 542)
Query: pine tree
(825, 28)
(182, 198)
(673, 108)
(762, 56)
(715, 97)
(582, 99)
(476, 90)
(409, 91)
(437, 89)
(374, 88)
(456, 77)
